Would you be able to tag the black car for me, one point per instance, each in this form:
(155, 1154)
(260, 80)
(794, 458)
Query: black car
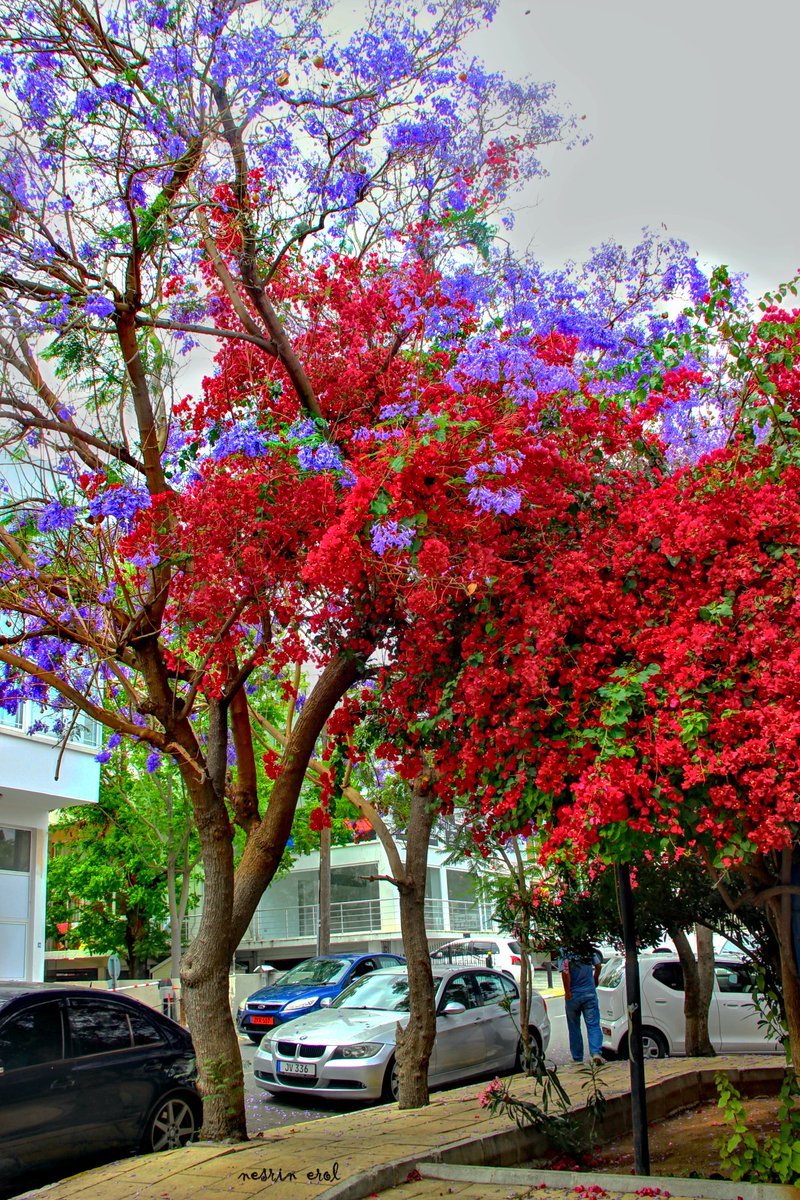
(87, 1074)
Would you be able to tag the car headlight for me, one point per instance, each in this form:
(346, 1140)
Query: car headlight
(303, 1002)
(265, 1045)
(359, 1050)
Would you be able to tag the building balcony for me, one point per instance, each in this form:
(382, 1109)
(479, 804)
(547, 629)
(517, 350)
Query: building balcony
(354, 919)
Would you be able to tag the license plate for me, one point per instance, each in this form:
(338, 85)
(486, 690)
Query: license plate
(296, 1068)
(263, 1020)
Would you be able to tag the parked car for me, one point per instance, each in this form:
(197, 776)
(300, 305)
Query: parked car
(346, 1050)
(499, 953)
(302, 989)
(86, 1074)
(735, 1022)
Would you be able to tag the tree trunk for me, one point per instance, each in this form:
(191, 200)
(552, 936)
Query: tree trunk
(781, 919)
(525, 987)
(522, 935)
(697, 986)
(415, 1042)
(174, 919)
(324, 937)
(231, 899)
(205, 968)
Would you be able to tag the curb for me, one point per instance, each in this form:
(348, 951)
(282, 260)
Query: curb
(508, 1147)
(695, 1189)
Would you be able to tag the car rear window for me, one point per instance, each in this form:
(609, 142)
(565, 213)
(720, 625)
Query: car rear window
(612, 973)
(144, 1030)
(670, 974)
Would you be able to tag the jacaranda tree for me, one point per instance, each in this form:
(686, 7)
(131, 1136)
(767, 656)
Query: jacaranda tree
(176, 178)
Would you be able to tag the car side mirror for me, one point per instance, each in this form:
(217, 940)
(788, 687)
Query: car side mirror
(325, 1002)
(453, 1008)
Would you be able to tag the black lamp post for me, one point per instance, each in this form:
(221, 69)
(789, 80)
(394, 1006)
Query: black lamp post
(641, 1146)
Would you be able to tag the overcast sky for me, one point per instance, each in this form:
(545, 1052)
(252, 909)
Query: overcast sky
(693, 110)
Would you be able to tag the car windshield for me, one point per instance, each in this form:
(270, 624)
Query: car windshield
(379, 990)
(317, 970)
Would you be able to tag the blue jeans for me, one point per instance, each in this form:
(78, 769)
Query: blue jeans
(587, 1007)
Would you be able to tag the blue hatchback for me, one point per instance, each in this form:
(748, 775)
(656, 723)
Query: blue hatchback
(303, 988)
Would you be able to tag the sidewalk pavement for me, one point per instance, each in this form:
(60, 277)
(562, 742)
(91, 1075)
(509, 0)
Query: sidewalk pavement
(362, 1153)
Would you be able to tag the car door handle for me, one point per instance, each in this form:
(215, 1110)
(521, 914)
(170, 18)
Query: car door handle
(62, 1085)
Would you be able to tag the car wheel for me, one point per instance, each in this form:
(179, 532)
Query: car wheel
(391, 1082)
(536, 1048)
(256, 1038)
(173, 1122)
(653, 1044)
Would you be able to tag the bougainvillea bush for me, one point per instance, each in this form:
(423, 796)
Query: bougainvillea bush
(631, 687)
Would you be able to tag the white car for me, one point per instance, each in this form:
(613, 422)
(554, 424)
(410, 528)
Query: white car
(499, 953)
(345, 1051)
(735, 1023)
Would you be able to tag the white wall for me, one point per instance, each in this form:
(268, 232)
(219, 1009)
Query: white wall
(28, 791)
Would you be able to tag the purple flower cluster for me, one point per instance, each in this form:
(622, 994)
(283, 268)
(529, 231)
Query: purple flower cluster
(55, 516)
(325, 457)
(99, 306)
(503, 500)
(243, 438)
(391, 535)
(121, 504)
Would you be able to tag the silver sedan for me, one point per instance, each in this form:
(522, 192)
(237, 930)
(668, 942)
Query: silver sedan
(346, 1051)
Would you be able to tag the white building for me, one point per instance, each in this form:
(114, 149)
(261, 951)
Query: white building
(37, 774)
(365, 911)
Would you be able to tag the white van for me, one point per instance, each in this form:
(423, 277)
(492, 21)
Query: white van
(735, 1023)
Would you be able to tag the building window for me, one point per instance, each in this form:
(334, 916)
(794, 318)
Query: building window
(52, 721)
(15, 849)
(12, 720)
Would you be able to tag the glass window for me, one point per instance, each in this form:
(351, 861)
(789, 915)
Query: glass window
(490, 989)
(364, 968)
(509, 987)
(456, 952)
(670, 974)
(612, 974)
(12, 718)
(734, 977)
(458, 990)
(349, 883)
(32, 1037)
(15, 849)
(144, 1031)
(98, 1028)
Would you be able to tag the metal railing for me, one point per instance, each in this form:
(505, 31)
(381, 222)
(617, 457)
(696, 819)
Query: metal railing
(354, 918)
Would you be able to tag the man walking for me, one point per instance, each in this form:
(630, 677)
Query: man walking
(580, 971)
